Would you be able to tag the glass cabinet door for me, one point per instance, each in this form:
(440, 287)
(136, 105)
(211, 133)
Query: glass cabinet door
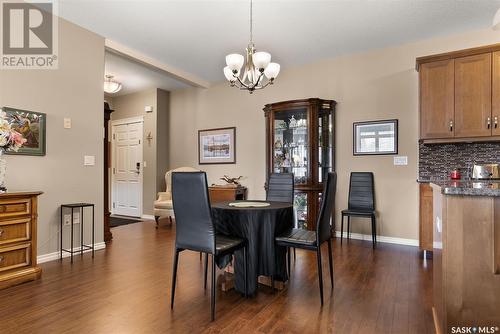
(325, 144)
(290, 144)
(300, 210)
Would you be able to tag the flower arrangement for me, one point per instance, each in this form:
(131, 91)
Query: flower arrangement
(10, 139)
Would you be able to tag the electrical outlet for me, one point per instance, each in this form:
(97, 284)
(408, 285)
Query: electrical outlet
(76, 218)
(67, 220)
(89, 160)
(67, 123)
(401, 161)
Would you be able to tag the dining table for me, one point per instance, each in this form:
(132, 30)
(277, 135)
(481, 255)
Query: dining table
(258, 226)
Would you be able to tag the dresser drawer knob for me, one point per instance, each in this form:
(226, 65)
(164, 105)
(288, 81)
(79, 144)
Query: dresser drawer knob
(1, 259)
(1, 232)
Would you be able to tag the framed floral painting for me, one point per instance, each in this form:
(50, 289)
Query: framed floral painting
(32, 126)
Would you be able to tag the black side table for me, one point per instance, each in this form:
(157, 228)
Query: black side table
(81, 207)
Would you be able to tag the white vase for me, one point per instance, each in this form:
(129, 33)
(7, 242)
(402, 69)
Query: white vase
(3, 170)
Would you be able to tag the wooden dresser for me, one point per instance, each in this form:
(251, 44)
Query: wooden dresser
(18, 221)
(226, 193)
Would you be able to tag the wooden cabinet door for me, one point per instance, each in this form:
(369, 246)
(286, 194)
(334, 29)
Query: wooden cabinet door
(436, 99)
(495, 100)
(425, 217)
(473, 96)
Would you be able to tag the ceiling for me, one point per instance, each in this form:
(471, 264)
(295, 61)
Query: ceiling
(136, 77)
(195, 36)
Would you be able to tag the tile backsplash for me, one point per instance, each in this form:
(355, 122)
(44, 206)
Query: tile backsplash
(436, 161)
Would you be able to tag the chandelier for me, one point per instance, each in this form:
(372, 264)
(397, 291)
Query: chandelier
(258, 72)
(111, 86)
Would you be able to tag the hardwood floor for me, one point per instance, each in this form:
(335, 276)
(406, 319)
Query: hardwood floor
(126, 289)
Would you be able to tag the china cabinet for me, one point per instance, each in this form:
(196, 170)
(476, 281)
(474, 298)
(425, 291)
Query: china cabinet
(300, 139)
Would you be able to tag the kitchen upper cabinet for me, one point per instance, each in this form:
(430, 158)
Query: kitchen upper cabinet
(437, 99)
(473, 96)
(460, 95)
(495, 111)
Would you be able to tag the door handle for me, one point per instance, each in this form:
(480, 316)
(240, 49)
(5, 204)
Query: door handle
(489, 122)
(138, 167)
(496, 122)
(451, 125)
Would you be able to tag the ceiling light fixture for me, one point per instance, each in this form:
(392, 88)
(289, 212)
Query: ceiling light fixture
(111, 86)
(257, 66)
(496, 21)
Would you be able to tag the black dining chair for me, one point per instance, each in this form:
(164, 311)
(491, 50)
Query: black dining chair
(361, 203)
(312, 240)
(280, 189)
(195, 229)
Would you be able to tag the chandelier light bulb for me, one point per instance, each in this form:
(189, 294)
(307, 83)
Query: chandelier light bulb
(272, 70)
(229, 74)
(235, 61)
(261, 60)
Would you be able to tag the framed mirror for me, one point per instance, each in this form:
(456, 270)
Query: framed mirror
(375, 137)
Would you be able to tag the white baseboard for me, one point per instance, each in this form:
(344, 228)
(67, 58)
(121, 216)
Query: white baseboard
(150, 217)
(55, 256)
(381, 238)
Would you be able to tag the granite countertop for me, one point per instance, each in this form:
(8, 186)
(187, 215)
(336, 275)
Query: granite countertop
(469, 187)
(428, 180)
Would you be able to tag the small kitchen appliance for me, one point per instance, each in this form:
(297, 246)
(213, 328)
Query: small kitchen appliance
(486, 171)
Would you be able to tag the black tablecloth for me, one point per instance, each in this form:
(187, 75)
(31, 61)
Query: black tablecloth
(258, 226)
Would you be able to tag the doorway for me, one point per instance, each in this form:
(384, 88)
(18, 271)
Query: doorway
(127, 167)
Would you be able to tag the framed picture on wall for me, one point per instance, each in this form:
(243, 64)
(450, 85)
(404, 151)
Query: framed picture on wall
(375, 137)
(32, 125)
(217, 146)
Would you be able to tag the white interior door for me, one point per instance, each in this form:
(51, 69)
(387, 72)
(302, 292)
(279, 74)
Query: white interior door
(127, 169)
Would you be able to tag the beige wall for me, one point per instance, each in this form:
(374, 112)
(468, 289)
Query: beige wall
(380, 84)
(163, 104)
(75, 91)
(154, 151)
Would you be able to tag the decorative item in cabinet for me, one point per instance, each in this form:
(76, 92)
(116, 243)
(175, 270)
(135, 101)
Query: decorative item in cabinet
(18, 221)
(300, 208)
(300, 140)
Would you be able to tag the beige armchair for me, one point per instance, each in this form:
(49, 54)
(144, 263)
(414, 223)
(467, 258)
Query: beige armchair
(163, 205)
